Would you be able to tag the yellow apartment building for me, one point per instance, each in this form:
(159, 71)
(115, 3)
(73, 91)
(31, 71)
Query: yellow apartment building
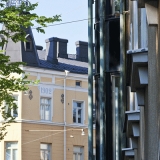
(52, 116)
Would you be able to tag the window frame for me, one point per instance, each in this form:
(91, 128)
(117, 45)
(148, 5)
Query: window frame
(30, 41)
(48, 149)
(17, 109)
(82, 111)
(81, 152)
(80, 83)
(11, 149)
(50, 110)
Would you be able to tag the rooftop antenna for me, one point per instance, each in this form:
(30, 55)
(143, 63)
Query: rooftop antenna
(17, 3)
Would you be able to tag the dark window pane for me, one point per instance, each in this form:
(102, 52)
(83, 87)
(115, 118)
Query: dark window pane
(78, 104)
(79, 115)
(28, 45)
(78, 83)
(74, 115)
(15, 113)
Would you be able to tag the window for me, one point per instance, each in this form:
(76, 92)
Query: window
(78, 83)
(28, 44)
(13, 112)
(11, 151)
(46, 109)
(45, 151)
(78, 153)
(77, 112)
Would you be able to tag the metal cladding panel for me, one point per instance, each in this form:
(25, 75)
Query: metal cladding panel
(143, 75)
(136, 130)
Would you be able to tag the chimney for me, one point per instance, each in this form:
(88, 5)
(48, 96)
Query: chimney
(39, 47)
(62, 48)
(51, 50)
(82, 51)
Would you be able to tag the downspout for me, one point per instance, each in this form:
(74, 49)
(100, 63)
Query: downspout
(122, 72)
(102, 154)
(66, 74)
(90, 79)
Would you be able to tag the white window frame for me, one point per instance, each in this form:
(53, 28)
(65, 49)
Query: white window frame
(50, 110)
(82, 113)
(11, 149)
(15, 101)
(46, 150)
(76, 152)
(28, 40)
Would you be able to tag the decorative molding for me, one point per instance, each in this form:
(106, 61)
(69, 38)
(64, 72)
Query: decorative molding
(143, 75)
(74, 125)
(140, 97)
(133, 115)
(62, 98)
(59, 74)
(129, 152)
(30, 95)
(46, 90)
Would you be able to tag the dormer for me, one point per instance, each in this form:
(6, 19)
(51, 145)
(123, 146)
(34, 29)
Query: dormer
(23, 51)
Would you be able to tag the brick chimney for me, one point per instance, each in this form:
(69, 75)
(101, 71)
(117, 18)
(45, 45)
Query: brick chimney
(82, 51)
(51, 50)
(62, 48)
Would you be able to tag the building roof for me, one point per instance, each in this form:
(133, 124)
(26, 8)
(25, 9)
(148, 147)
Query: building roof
(70, 64)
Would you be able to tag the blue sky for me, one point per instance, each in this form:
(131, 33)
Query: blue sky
(70, 10)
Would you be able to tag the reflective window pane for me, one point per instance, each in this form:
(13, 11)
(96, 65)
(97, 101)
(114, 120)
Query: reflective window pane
(11, 151)
(45, 109)
(74, 156)
(77, 112)
(74, 115)
(45, 151)
(79, 116)
(8, 154)
(15, 154)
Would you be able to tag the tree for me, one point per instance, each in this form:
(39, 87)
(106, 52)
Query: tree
(16, 20)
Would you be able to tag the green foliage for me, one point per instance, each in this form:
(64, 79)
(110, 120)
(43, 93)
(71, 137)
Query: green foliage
(16, 21)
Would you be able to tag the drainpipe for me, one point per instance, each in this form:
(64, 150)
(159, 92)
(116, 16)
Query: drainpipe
(102, 77)
(122, 71)
(66, 74)
(90, 79)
